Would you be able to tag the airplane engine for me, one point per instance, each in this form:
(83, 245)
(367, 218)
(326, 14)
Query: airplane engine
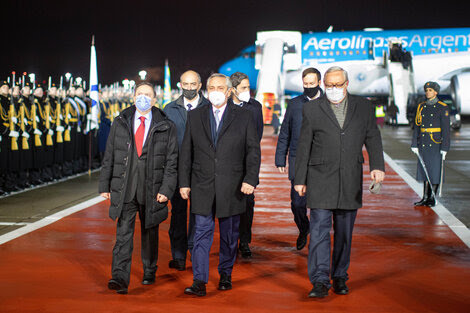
(460, 92)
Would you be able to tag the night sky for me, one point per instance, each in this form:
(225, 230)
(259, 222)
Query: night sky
(53, 37)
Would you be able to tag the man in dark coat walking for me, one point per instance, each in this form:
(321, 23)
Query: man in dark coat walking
(138, 174)
(177, 112)
(431, 140)
(328, 170)
(241, 97)
(287, 143)
(218, 166)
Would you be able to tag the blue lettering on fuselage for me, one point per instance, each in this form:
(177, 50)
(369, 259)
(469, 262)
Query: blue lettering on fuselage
(361, 45)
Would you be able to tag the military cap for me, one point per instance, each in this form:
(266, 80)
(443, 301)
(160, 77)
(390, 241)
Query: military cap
(3, 83)
(432, 85)
(39, 85)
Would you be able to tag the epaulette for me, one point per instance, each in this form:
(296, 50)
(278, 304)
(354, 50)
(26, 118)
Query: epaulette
(442, 103)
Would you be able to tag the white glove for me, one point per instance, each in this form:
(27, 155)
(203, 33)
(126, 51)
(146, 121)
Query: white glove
(37, 119)
(59, 128)
(50, 132)
(415, 150)
(25, 135)
(14, 133)
(14, 119)
(443, 153)
(37, 132)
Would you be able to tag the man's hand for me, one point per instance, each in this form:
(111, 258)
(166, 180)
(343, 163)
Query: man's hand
(184, 192)
(247, 189)
(106, 195)
(377, 176)
(415, 150)
(162, 198)
(282, 169)
(301, 189)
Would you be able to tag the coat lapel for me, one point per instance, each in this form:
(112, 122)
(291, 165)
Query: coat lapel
(349, 112)
(228, 118)
(206, 123)
(325, 106)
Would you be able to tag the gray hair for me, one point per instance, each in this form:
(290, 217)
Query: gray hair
(337, 69)
(215, 75)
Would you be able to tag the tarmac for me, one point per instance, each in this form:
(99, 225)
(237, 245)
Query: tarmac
(56, 243)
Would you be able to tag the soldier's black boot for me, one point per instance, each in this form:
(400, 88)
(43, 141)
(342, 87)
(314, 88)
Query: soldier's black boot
(426, 191)
(431, 199)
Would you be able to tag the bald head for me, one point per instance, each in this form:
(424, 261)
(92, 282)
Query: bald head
(191, 84)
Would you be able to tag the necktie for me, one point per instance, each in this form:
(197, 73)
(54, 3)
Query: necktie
(217, 119)
(189, 106)
(139, 136)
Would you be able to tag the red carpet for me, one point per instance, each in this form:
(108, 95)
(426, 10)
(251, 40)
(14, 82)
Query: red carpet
(403, 260)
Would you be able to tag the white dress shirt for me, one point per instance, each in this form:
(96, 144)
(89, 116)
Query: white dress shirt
(221, 112)
(137, 122)
(193, 102)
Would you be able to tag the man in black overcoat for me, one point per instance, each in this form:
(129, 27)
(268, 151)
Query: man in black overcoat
(138, 175)
(218, 166)
(328, 170)
(241, 97)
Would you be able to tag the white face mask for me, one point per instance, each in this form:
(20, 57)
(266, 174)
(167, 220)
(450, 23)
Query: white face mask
(143, 103)
(244, 96)
(334, 94)
(217, 98)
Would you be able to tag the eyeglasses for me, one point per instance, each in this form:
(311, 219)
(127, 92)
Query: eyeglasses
(335, 85)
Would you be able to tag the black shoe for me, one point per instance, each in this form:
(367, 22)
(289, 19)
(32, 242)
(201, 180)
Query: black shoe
(423, 201)
(115, 284)
(198, 288)
(148, 279)
(319, 290)
(245, 250)
(301, 241)
(177, 264)
(339, 286)
(225, 282)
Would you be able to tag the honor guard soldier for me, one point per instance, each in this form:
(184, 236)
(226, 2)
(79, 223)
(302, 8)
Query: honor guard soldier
(4, 135)
(56, 125)
(25, 126)
(431, 142)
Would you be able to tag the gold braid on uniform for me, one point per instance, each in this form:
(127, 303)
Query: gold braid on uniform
(3, 114)
(419, 118)
(41, 113)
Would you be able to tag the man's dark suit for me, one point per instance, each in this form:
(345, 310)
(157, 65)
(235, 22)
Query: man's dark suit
(178, 232)
(287, 144)
(214, 163)
(329, 161)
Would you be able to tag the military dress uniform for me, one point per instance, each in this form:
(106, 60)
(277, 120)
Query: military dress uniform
(431, 135)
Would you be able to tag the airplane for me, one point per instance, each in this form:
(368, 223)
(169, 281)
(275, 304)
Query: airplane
(276, 60)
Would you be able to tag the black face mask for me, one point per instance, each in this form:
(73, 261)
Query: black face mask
(190, 93)
(311, 92)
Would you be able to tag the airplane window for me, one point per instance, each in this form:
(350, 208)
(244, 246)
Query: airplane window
(337, 52)
(364, 52)
(357, 51)
(252, 55)
(344, 52)
(318, 53)
(324, 53)
(331, 52)
(246, 55)
(456, 49)
(423, 51)
(350, 53)
(311, 53)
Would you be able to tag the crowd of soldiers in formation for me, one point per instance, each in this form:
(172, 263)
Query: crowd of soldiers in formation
(45, 133)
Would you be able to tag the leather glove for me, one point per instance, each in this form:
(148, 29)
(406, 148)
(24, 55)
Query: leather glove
(415, 150)
(443, 153)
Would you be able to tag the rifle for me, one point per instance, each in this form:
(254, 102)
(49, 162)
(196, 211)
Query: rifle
(12, 118)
